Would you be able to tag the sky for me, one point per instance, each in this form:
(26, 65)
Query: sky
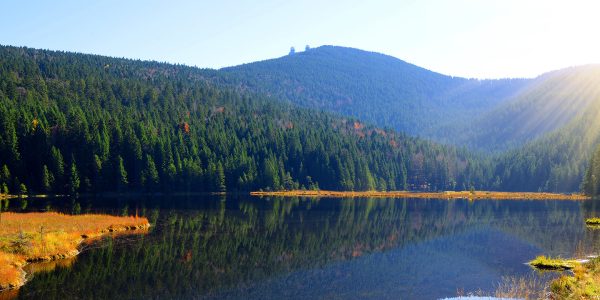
(467, 38)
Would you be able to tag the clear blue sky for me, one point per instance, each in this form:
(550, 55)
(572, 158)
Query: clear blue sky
(470, 38)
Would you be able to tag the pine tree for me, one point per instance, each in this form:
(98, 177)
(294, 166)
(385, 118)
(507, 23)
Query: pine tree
(288, 182)
(591, 181)
(367, 180)
(121, 174)
(57, 166)
(22, 189)
(271, 173)
(74, 181)
(47, 179)
(16, 185)
(150, 174)
(97, 173)
(5, 175)
(221, 178)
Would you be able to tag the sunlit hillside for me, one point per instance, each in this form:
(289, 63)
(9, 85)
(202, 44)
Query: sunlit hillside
(546, 104)
(558, 160)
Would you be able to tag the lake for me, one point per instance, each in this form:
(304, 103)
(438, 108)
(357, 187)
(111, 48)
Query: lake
(241, 247)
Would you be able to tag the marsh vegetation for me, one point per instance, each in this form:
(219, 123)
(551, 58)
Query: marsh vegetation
(37, 237)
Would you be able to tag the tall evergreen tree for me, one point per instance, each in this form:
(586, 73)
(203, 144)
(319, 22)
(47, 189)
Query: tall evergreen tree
(47, 179)
(121, 174)
(74, 181)
(221, 178)
(5, 177)
(57, 166)
(150, 174)
(591, 181)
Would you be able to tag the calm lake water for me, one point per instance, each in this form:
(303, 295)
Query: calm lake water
(297, 248)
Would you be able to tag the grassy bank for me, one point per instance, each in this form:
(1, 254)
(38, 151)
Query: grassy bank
(37, 237)
(584, 283)
(439, 195)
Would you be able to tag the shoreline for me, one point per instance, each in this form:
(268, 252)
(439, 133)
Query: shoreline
(13, 263)
(435, 195)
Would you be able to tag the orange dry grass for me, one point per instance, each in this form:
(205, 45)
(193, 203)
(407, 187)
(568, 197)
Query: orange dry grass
(47, 236)
(53, 233)
(12, 223)
(10, 272)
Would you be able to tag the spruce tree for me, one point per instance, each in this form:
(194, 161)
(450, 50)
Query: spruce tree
(22, 189)
(5, 175)
(47, 179)
(150, 174)
(121, 174)
(74, 181)
(221, 178)
(57, 166)
(97, 173)
(16, 185)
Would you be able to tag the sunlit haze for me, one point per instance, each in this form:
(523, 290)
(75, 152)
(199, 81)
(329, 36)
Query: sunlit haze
(482, 39)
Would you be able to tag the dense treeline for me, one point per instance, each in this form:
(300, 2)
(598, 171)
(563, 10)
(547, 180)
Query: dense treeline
(83, 123)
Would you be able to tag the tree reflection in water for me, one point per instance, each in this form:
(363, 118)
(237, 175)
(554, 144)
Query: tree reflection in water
(242, 247)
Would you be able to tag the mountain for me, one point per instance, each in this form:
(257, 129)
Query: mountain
(489, 115)
(74, 123)
(373, 87)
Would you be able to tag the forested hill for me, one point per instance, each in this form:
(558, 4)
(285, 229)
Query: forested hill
(557, 118)
(489, 115)
(85, 123)
(541, 131)
(374, 87)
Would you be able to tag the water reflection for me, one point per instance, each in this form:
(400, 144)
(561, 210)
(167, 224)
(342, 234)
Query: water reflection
(241, 247)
